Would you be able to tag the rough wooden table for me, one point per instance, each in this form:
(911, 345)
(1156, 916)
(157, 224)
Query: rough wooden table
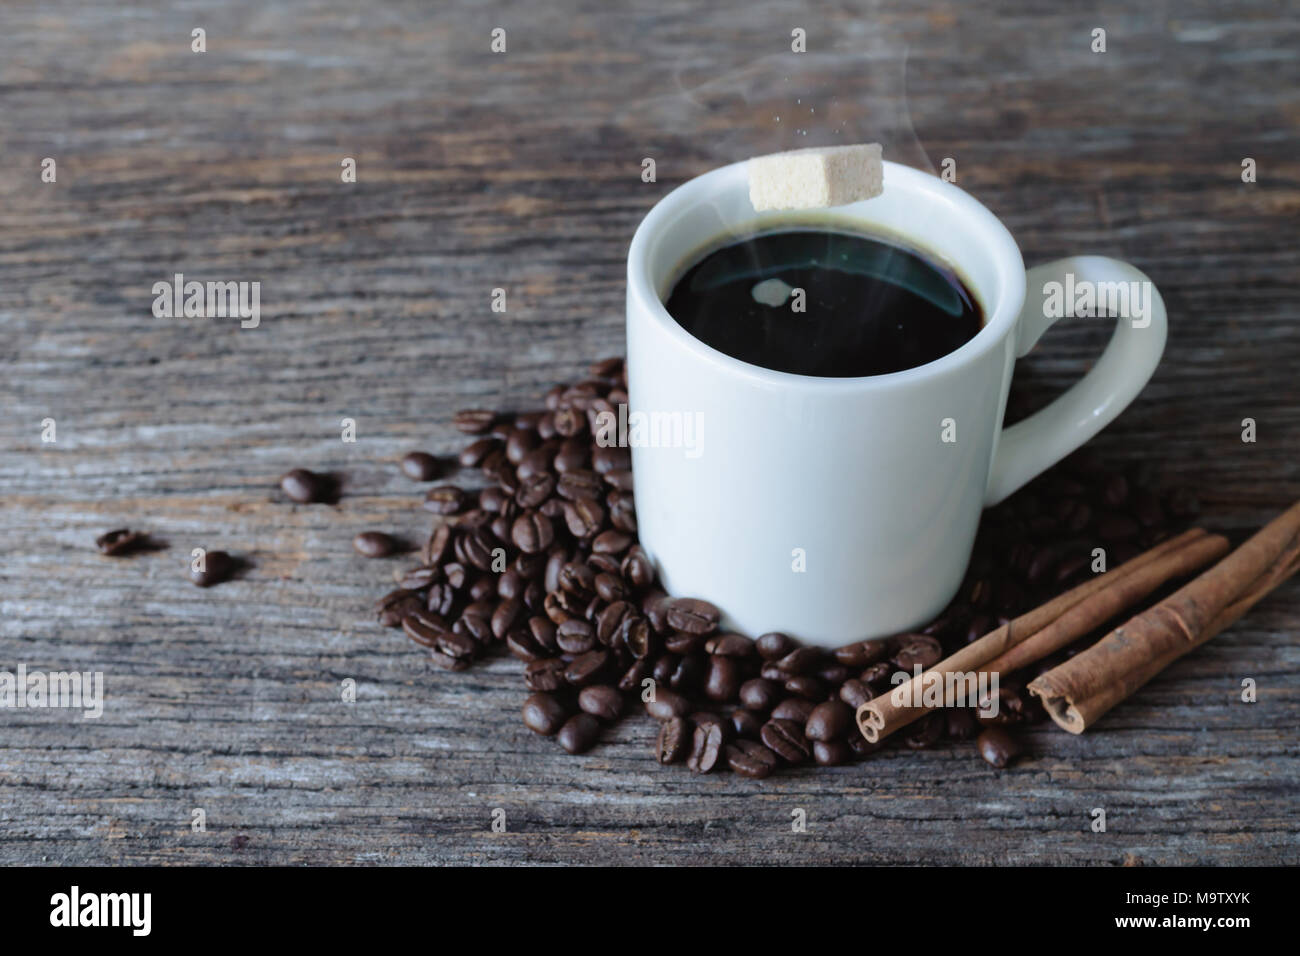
(522, 171)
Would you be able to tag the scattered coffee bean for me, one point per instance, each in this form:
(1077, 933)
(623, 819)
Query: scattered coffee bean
(998, 747)
(575, 595)
(445, 500)
(544, 714)
(831, 753)
(750, 759)
(706, 748)
(420, 466)
(693, 615)
(217, 566)
(306, 486)
(829, 720)
(120, 541)
(374, 544)
(786, 739)
(579, 733)
(602, 701)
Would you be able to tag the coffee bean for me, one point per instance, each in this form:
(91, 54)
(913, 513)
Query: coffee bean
(801, 660)
(587, 668)
(508, 613)
(544, 714)
(444, 500)
(441, 598)
(421, 629)
(532, 532)
(833, 674)
(760, 694)
(637, 568)
(420, 466)
(578, 580)
(786, 739)
(579, 733)
(877, 677)
(706, 748)
(545, 675)
(609, 622)
(519, 443)
(458, 643)
(475, 623)
(395, 605)
(611, 542)
(723, 679)
(474, 421)
(998, 747)
(635, 675)
(730, 645)
(601, 701)
(750, 759)
(667, 704)
(806, 686)
(374, 544)
(794, 708)
(674, 740)
(620, 478)
(449, 663)
(306, 486)
(855, 693)
(917, 650)
(572, 456)
(862, 653)
(569, 421)
(961, 724)
(774, 646)
(927, 731)
(120, 541)
(831, 753)
(610, 587)
(679, 642)
(693, 615)
(575, 636)
(622, 510)
(584, 517)
(688, 675)
(635, 635)
(438, 546)
(418, 577)
(829, 720)
(521, 643)
(217, 566)
(607, 368)
(746, 723)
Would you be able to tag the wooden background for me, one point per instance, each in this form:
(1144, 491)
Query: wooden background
(522, 171)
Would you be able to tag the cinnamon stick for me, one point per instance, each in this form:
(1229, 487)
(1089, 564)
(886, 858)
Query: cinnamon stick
(1039, 632)
(1082, 689)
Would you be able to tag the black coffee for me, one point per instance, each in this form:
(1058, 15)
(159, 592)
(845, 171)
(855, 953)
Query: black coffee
(826, 303)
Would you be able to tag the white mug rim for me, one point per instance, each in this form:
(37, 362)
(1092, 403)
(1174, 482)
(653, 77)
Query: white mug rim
(1002, 305)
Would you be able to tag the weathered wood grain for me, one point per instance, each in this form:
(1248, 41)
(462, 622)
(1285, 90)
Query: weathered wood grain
(522, 171)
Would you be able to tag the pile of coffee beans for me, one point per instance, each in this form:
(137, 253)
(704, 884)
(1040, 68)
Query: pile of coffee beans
(543, 560)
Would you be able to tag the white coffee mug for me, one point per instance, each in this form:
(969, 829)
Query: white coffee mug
(836, 509)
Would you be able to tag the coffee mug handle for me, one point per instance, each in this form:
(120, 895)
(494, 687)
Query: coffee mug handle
(1031, 446)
